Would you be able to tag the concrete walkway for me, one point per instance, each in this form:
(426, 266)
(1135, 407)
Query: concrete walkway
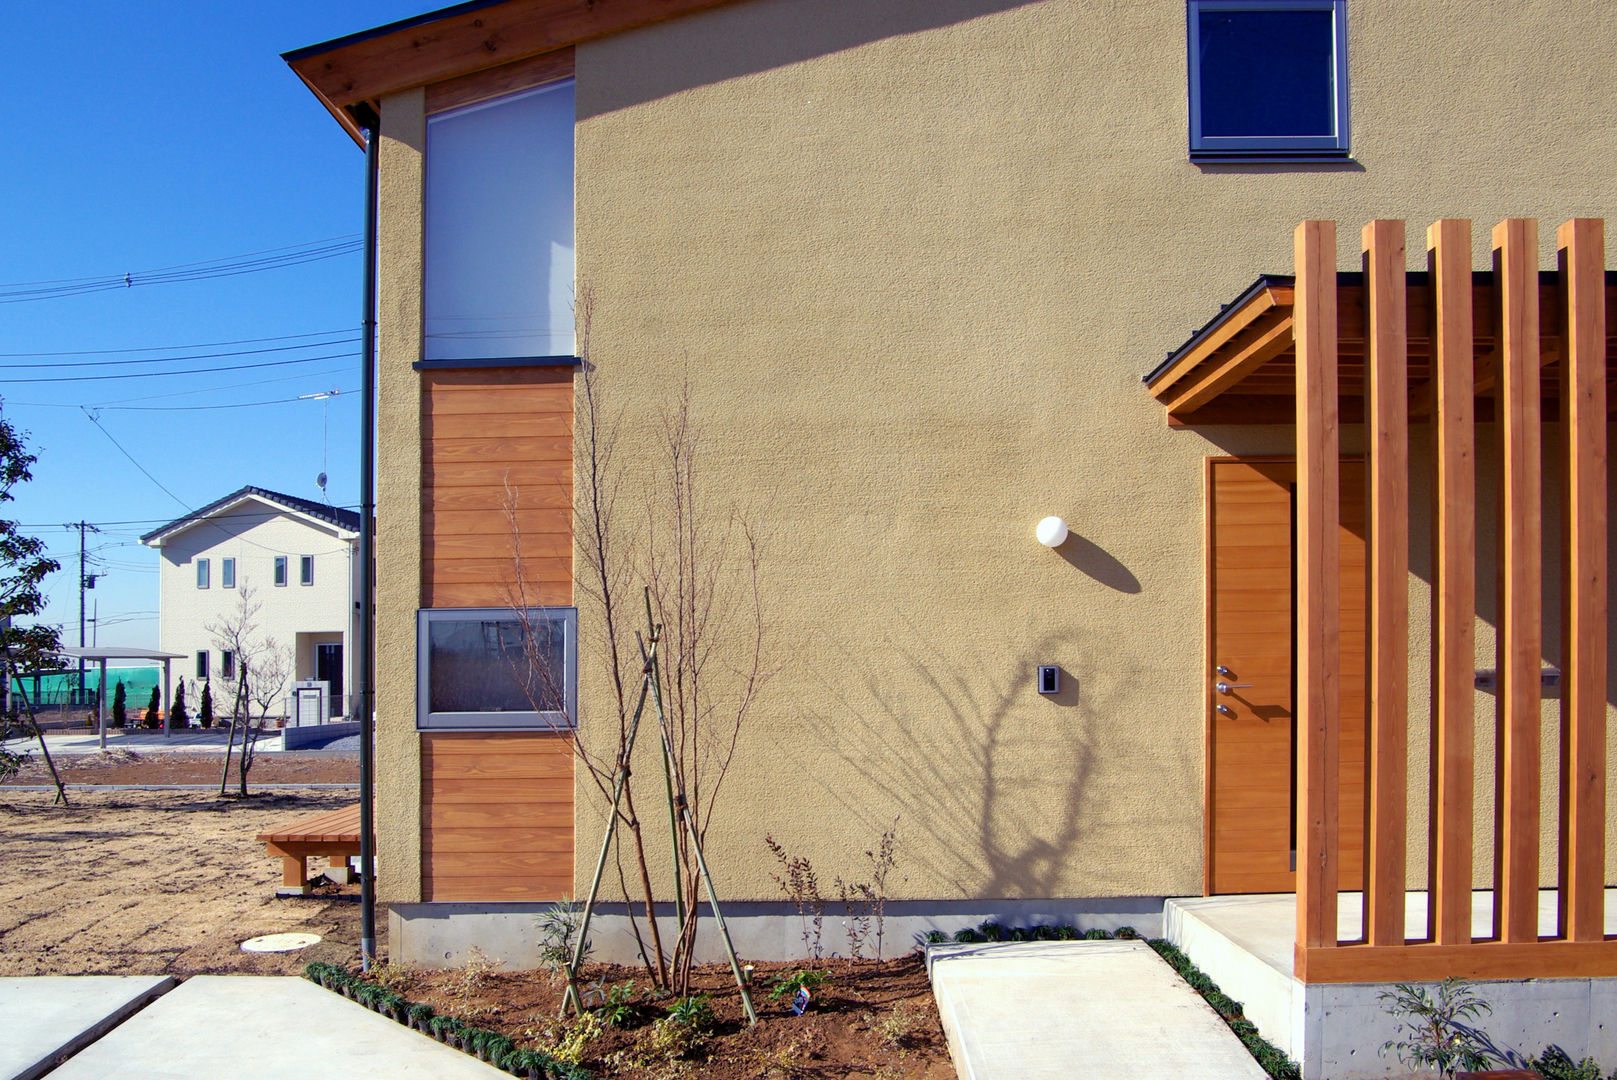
(247, 1027)
(1093, 1009)
(49, 1018)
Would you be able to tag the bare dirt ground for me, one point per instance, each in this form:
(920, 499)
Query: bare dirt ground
(158, 882)
(171, 767)
(867, 1021)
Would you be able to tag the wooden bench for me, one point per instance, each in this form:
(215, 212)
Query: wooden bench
(334, 834)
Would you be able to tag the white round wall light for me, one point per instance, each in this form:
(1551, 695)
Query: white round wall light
(1052, 532)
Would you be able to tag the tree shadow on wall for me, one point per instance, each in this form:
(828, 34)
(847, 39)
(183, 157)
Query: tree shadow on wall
(1002, 794)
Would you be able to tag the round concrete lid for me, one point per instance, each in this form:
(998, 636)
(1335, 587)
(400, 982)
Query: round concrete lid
(279, 942)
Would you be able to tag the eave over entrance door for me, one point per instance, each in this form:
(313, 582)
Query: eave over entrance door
(1251, 762)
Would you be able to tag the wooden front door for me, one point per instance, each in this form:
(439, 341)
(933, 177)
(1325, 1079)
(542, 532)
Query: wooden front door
(1251, 607)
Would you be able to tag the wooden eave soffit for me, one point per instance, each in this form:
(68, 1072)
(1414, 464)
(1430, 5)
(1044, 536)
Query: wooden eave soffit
(1241, 368)
(352, 74)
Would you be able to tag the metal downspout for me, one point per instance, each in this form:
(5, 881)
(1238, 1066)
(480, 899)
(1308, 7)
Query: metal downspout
(365, 638)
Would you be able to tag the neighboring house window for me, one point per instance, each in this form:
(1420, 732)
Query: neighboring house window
(499, 228)
(227, 573)
(1268, 78)
(202, 573)
(227, 664)
(495, 668)
(202, 664)
(306, 570)
(280, 569)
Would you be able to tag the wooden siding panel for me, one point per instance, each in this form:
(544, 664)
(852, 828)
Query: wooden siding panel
(496, 444)
(496, 816)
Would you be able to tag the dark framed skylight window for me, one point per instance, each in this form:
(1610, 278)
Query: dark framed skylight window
(1268, 78)
(489, 669)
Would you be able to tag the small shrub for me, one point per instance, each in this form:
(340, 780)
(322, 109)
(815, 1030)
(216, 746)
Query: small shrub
(787, 986)
(1127, 933)
(1095, 933)
(968, 936)
(671, 1040)
(572, 1042)
(694, 1012)
(558, 934)
(1556, 1064)
(120, 706)
(992, 931)
(178, 717)
(205, 709)
(474, 976)
(154, 705)
(617, 1007)
(1435, 1028)
(802, 887)
(902, 1027)
(934, 937)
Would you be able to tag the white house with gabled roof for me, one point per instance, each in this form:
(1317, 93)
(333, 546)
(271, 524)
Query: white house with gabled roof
(298, 557)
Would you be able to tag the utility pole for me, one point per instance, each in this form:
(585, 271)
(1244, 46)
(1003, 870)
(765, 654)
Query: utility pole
(84, 583)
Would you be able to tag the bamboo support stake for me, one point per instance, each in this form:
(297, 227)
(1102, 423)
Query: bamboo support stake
(620, 778)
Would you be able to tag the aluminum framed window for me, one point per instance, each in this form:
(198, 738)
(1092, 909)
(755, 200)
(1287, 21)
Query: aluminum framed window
(280, 570)
(227, 664)
(496, 669)
(202, 665)
(1268, 79)
(202, 573)
(306, 570)
(227, 573)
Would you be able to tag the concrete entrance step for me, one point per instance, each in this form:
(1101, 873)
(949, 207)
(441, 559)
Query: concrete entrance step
(257, 1027)
(1054, 1010)
(49, 1017)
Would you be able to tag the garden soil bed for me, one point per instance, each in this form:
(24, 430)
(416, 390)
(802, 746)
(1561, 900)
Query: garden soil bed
(174, 767)
(158, 882)
(870, 1020)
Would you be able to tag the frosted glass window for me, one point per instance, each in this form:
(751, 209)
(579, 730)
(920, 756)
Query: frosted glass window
(491, 668)
(499, 228)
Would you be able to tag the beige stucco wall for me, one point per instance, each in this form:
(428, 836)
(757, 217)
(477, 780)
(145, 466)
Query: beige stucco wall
(915, 259)
(398, 495)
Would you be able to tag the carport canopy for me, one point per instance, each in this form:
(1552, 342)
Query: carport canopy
(101, 654)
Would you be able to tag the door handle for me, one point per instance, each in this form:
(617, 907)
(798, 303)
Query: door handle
(1225, 709)
(1222, 670)
(1226, 687)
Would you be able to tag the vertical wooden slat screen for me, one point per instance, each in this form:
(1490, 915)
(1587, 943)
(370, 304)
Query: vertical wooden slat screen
(1454, 542)
(1581, 244)
(1318, 570)
(1387, 665)
(1520, 641)
(1580, 948)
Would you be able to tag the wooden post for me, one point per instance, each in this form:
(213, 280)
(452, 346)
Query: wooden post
(1454, 544)
(1318, 571)
(1387, 670)
(1583, 581)
(1520, 646)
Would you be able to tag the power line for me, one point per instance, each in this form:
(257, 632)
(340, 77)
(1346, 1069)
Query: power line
(92, 418)
(165, 408)
(231, 266)
(176, 348)
(176, 359)
(182, 371)
(257, 515)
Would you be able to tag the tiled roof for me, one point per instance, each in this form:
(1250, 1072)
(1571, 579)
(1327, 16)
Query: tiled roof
(331, 515)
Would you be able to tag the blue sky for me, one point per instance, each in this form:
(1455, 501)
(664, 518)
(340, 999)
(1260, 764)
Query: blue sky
(147, 136)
